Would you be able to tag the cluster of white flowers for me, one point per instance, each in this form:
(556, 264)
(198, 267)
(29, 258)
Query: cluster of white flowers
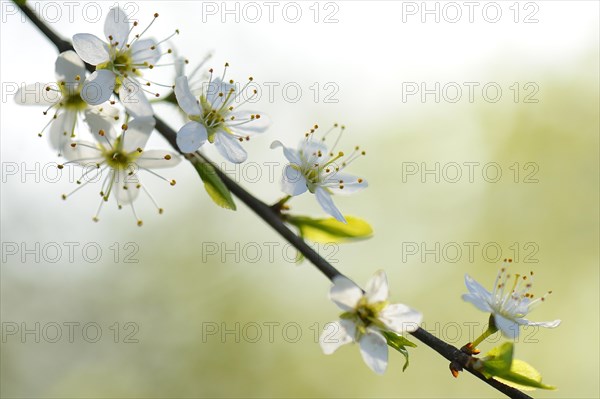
(215, 114)
(118, 78)
(214, 109)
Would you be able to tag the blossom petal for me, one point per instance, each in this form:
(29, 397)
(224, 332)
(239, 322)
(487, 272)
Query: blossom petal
(345, 293)
(324, 199)
(374, 351)
(83, 153)
(216, 92)
(476, 300)
(309, 150)
(36, 94)
(509, 328)
(351, 184)
(292, 181)
(546, 324)
(116, 26)
(137, 134)
(401, 318)
(251, 126)
(476, 289)
(186, 100)
(145, 50)
(336, 334)
(98, 87)
(156, 159)
(377, 288)
(62, 129)
(106, 110)
(230, 147)
(68, 66)
(191, 136)
(91, 49)
(134, 100)
(97, 123)
(127, 187)
(290, 154)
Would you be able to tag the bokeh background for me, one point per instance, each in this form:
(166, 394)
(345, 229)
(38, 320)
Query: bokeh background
(207, 310)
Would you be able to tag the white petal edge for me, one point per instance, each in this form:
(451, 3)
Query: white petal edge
(292, 181)
(186, 100)
(96, 123)
(374, 351)
(254, 126)
(36, 94)
(324, 199)
(475, 288)
(290, 154)
(377, 287)
(86, 154)
(509, 328)
(138, 132)
(478, 302)
(62, 129)
(142, 51)
(401, 318)
(126, 188)
(155, 159)
(68, 66)
(191, 136)
(134, 100)
(117, 26)
(345, 293)
(90, 48)
(350, 184)
(546, 324)
(98, 87)
(335, 335)
(230, 148)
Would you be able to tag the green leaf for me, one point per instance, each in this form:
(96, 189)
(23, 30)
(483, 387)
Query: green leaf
(499, 364)
(213, 184)
(524, 377)
(330, 230)
(399, 343)
(498, 360)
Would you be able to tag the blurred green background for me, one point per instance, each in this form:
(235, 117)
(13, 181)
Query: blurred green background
(164, 320)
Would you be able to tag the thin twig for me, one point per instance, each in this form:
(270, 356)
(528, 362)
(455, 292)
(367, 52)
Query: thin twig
(273, 219)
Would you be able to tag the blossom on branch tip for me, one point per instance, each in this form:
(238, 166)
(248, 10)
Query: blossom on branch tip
(366, 317)
(119, 63)
(508, 304)
(319, 170)
(121, 157)
(214, 117)
(64, 98)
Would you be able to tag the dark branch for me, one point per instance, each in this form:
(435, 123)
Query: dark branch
(272, 218)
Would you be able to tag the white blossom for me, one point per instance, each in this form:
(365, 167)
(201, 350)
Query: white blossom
(366, 316)
(508, 303)
(119, 158)
(214, 116)
(314, 167)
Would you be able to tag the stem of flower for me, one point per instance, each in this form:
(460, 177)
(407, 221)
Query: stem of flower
(273, 219)
(492, 329)
(483, 336)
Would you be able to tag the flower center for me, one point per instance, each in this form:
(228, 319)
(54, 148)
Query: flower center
(118, 159)
(313, 175)
(70, 96)
(123, 61)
